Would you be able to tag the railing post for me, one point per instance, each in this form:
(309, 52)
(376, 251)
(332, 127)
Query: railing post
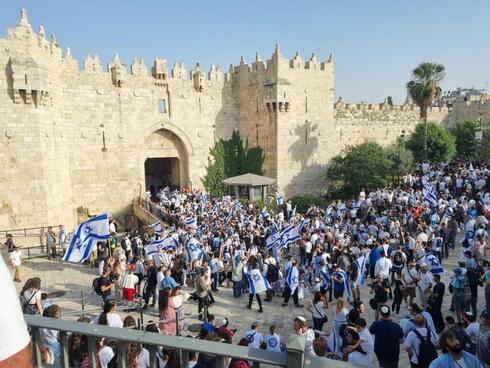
(295, 349)
(184, 358)
(83, 300)
(36, 353)
(65, 363)
(153, 356)
(121, 354)
(220, 362)
(92, 352)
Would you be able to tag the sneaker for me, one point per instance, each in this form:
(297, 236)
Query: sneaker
(249, 307)
(284, 304)
(299, 305)
(261, 310)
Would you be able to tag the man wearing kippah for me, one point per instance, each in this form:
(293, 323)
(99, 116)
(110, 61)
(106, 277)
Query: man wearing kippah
(387, 335)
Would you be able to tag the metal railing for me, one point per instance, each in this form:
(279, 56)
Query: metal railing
(157, 211)
(293, 357)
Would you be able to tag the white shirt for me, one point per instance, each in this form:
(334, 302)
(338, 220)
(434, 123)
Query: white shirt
(425, 279)
(359, 359)
(105, 355)
(13, 334)
(413, 342)
(144, 359)
(255, 338)
(473, 330)
(367, 341)
(273, 342)
(113, 320)
(382, 268)
(14, 257)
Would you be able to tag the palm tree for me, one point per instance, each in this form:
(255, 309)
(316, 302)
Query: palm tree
(424, 89)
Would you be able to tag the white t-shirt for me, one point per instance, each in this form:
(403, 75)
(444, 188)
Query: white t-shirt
(473, 330)
(254, 339)
(273, 342)
(113, 320)
(105, 355)
(144, 359)
(13, 334)
(367, 341)
(27, 295)
(413, 342)
(318, 310)
(14, 257)
(359, 359)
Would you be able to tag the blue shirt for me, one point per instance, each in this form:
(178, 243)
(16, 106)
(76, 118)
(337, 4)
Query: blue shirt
(387, 335)
(168, 282)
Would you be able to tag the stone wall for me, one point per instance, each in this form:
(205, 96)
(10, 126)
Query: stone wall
(72, 138)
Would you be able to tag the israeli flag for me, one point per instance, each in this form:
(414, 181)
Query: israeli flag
(325, 278)
(151, 249)
(276, 254)
(361, 265)
(163, 196)
(229, 216)
(82, 241)
(449, 213)
(169, 242)
(430, 195)
(346, 284)
(157, 228)
(273, 239)
(293, 278)
(289, 235)
(303, 223)
(257, 282)
(236, 205)
(279, 199)
(193, 251)
(191, 222)
(434, 266)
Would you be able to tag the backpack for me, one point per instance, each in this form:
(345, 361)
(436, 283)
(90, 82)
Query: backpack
(96, 286)
(272, 273)
(427, 350)
(28, 308)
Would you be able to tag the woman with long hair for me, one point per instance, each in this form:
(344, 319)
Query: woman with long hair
(117, 271)
(51, 337)
(129, 322)
(108, 317)
(168, 314)
(339, 316)
(31, 297)
(177, 296)
(78, 348)
(317, 309)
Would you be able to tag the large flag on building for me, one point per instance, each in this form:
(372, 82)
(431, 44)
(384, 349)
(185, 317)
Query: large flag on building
(85, 236)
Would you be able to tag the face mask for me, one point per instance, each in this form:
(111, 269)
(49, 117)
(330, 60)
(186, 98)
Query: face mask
(457, 349)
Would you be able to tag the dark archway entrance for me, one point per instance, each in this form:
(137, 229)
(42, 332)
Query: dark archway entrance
(160, 173)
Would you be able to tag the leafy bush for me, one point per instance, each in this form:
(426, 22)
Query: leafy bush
(303, 202)
(441, 145)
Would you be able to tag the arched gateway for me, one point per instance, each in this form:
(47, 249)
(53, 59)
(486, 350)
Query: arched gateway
(165, 158)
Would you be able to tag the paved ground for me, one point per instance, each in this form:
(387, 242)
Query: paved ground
(72, 279)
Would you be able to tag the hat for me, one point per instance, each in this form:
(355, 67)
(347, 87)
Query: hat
(317, 279)
(424, 265)
(301, 318)
(385, 310)
(222, 322)
(457, 270)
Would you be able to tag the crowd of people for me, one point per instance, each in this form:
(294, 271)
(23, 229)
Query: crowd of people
(389, 246)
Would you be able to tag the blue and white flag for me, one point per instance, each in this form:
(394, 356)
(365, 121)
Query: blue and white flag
(449, 213)
(361, 265)
(264, 212)
(157, 227)
(293, 279)
(236, 205)
(430, 195)
(303, 223)
(169, 242)
(346, 284)
(229, 216)
(191, 222)
(272, 239)
(325, 277)
(289, 235)
(279, 199)
(152, 248)
(433, 262)
(276, 254)
(84, 237)
(193, 251)
(257, 282)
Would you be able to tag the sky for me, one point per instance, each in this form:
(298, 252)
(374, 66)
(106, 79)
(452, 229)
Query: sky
(375, 43)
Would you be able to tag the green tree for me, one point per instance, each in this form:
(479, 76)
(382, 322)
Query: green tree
(424, 89)
(464, 134)
(441, 146)
(216, 171)
(360, 167)
(401, 160)
(228, 158)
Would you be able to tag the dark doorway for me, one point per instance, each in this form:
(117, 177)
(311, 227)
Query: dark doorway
(160, 173)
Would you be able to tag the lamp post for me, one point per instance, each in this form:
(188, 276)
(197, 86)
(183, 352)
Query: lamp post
(479, 131)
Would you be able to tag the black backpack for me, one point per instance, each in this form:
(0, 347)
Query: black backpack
(272, 273)
(96, 286)
(398, 259)
(427, 350)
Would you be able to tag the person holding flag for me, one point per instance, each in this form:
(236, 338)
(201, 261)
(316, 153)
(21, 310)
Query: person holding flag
(257, 284)
(292, 285)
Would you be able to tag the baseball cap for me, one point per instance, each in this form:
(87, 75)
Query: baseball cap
(301, 318)
(221, 322)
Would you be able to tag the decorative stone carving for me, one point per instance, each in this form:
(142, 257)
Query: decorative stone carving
(30, 82)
